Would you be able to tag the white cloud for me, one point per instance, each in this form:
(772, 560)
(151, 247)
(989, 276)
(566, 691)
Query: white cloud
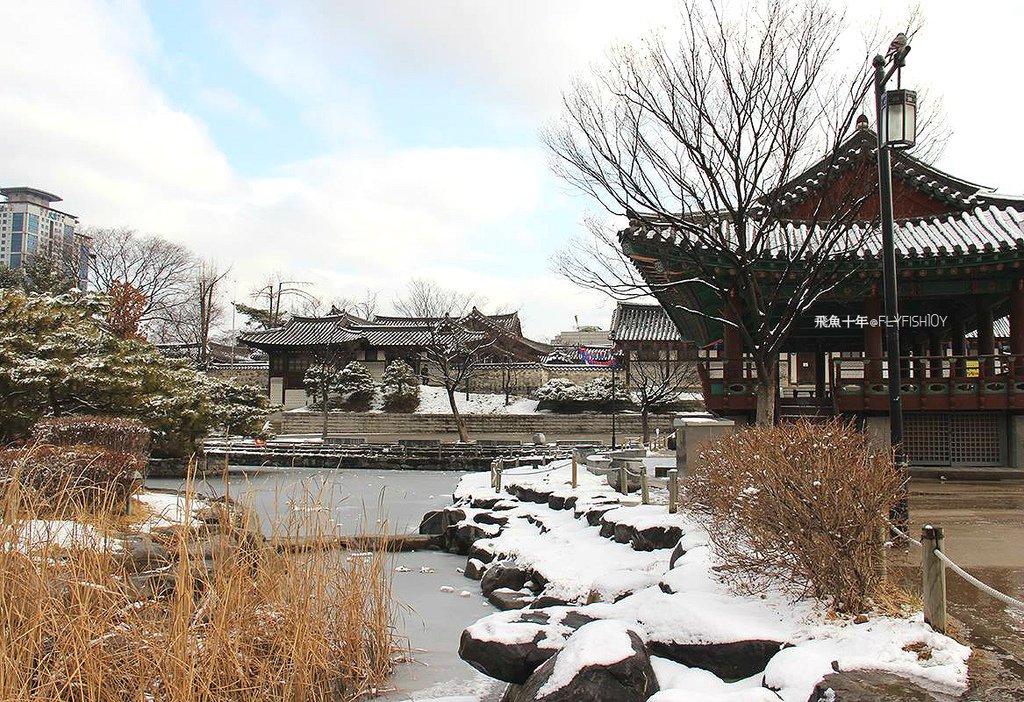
(230, 104)
(82, 119)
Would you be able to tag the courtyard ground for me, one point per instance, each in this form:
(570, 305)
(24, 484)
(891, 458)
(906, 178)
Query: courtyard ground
(984, 533)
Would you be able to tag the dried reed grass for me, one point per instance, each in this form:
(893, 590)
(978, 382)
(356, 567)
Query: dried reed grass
(243, 622)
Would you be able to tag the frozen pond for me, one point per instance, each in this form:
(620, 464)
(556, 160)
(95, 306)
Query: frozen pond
(361, 501)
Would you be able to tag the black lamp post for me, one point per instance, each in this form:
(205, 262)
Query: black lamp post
(896, 120)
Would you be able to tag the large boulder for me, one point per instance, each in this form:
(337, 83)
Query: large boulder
(604, 661)
(869, 686)
(504, 574)
(655, 537)
(732, 661)
(505, 598)
(509, 646)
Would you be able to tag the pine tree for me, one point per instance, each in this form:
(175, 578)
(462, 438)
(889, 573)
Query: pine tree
(320, 381)
(400, 387)
(58, 357)
(355, 384)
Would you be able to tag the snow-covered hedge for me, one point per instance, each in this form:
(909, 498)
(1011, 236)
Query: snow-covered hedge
(113, 433)
(62, 479)
(355, 384)
(564, 395)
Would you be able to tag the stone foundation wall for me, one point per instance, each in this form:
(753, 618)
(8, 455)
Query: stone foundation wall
(553, 425)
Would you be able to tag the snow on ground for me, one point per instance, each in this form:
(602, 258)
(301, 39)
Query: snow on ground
(699, 607)
(162, 510)
(434, 400)
(37, 533)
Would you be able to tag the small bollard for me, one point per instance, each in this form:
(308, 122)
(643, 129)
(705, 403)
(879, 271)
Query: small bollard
(645, 494)
(933, 579)
(673, 491)
(497, 475)
(575, 468)
(623, 480)
(494, 464)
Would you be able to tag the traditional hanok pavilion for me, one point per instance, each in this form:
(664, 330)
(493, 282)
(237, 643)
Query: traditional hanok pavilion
(960, 262)
(342, 337)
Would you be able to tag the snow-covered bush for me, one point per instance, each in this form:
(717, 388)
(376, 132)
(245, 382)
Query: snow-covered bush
(798, 503)
(400, 387)
(355, 384)
(112, 433)
(559, 390)
(599, 390)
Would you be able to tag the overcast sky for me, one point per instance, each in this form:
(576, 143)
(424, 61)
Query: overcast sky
(356, 144)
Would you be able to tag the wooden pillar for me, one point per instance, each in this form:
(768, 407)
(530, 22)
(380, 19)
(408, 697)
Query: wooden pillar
(920, 352)
(819, 375)
(958, 337)
(986, 337)
(935, 351)
(732, 342)
(873, 337)
(1017, 326)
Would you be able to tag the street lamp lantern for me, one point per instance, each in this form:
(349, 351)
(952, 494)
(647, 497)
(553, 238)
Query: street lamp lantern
(900, 118)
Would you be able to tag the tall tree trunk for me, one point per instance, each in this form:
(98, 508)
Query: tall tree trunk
(459, 423)
(767, 390)
(645, 428)
(323, 393)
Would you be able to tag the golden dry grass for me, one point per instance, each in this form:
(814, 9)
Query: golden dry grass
(250, 623)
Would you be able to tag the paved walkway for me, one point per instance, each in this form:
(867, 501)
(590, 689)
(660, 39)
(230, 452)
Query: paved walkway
(984, 534)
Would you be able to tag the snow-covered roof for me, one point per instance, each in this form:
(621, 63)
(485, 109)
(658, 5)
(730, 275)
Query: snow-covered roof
(860, 148)
(639, 322)
(988, 228)
(383, 331)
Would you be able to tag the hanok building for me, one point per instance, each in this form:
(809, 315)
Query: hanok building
(960, 261)
(341, 337)
(644, 335)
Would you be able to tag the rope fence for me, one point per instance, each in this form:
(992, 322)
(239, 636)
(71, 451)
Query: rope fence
(933, 576)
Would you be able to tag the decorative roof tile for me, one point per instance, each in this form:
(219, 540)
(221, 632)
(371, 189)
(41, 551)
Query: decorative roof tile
(637, 322)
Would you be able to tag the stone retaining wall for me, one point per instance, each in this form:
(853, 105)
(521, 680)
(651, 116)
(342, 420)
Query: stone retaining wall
(553, 425)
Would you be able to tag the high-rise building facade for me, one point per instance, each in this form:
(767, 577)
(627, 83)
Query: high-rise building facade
(30, 226)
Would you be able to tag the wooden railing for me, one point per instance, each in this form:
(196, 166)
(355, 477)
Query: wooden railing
(729, 385)
(937, 383)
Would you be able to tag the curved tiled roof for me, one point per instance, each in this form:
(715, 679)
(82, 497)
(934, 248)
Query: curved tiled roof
(307, 331)
(413, 332)
(989, 228)
(639, 322)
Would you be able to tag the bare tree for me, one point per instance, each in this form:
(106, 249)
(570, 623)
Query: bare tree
(193, 322)
(695, 140)
(365, 306)
(512, 375)
(163, 271)
(425, 298)
(276, 299)
(454, 354)
(656, 384)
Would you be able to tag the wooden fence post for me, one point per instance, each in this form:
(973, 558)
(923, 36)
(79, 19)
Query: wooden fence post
(645, 494)
(497, 475)
(494, 464)
(673, 491)
(575, 468)
(623, 480)
(933, 579)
